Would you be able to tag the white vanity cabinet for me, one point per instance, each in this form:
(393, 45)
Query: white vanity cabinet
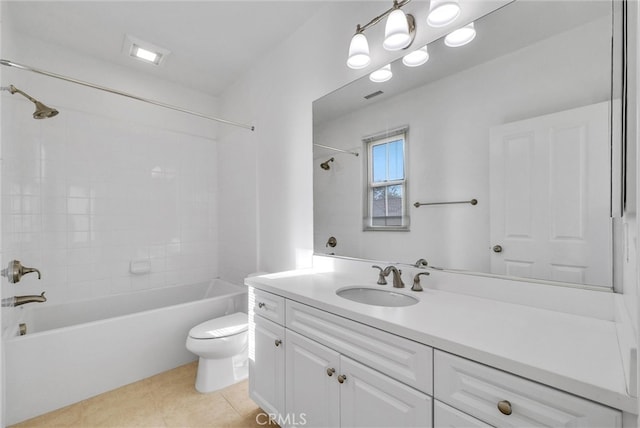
(314, 368)
(327, 389)
(505, 400)
(267, 352)
(325, 370)
(343, 373)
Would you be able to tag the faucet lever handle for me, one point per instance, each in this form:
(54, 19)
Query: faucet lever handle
(381, 275)
(416, 281)
(14, 271)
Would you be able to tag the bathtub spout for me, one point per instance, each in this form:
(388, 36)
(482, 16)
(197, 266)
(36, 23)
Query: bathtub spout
(21, 300)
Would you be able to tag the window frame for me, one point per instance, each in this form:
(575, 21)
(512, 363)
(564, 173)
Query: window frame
(369, 185)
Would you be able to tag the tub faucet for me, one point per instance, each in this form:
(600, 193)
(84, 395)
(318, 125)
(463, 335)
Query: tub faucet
(397, 280)
(21, 300)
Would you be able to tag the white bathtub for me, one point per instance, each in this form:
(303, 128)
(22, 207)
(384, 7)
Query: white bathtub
(74, 351)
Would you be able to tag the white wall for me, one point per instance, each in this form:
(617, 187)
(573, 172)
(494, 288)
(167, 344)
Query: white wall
(107, 181)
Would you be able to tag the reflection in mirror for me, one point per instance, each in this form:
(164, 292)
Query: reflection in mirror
(519, 120)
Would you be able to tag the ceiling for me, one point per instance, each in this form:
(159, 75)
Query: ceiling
(212, 42)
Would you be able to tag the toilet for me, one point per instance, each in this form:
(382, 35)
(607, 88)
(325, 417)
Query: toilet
(221, 344)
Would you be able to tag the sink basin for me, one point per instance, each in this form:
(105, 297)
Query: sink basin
(376, 296)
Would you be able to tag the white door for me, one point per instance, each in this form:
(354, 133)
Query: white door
(312, 392)
(550, 197)
(266, 365)
(371, 399)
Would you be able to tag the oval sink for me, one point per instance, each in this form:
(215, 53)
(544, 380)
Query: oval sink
(376, 296)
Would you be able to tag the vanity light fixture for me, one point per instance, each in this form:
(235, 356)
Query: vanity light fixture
(382, 74)
(400, 30)
(416, 58)
(461, 36)
(443, 12)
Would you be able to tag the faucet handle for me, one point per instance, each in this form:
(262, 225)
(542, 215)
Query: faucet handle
(416, 281)
(14, 271)
(421, 263)
(381, 276)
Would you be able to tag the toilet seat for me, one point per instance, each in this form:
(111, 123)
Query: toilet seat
(228, 325)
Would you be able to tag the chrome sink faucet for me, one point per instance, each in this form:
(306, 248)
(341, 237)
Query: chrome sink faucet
(397, 280)
(381, 279)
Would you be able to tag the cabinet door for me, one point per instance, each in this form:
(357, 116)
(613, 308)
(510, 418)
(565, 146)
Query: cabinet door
(371, 399)
(447, 417)
(312, 392)
(266, 365)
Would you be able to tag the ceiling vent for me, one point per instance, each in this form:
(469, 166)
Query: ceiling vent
(373, 94)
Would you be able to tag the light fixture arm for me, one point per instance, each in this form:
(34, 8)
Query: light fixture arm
(396, 5)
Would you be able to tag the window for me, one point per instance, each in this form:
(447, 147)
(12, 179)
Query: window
(386, 195)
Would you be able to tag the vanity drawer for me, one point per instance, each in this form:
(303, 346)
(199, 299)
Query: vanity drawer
(402, 359)
(477, 390)
(267, 305)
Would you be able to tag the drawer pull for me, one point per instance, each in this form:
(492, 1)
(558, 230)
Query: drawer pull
(261, 305)
(505, 407)
(342, 378)
(330, 371)
(278, 342)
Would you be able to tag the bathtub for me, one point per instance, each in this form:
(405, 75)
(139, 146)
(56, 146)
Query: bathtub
(73, 351)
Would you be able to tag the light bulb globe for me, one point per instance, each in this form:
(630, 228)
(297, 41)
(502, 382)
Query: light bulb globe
(382, 74)
(358, 52)
(461, 36)
(443, 12)
(396, 32)
(416, 58)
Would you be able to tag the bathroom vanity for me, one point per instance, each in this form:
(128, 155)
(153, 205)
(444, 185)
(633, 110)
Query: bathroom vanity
(468, 354)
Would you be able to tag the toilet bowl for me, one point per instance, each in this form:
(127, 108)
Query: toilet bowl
(221, 344)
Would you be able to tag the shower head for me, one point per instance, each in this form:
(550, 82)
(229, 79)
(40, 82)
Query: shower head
(42, 111)
(325, 165)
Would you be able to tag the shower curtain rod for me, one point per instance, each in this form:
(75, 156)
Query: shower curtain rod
(124, 94)
(336, 150)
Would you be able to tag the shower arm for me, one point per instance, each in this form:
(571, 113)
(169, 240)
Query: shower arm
(14, 90)
(117, 92)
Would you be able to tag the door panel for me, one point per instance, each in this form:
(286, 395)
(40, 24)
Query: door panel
(550, 197)
(312, 393)
(371, 399)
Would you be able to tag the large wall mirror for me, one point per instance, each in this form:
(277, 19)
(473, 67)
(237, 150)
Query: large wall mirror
(523, 120)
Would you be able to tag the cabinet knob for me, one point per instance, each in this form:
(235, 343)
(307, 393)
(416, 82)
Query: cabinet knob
(497, 248)
(278, 342)
(505, 407)
(342, 378)
(330, 371)
(261, 305)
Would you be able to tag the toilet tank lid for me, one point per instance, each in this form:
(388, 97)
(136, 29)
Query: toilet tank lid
(227, 325)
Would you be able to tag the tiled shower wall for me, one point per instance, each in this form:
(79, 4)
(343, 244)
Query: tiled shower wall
(85, 195)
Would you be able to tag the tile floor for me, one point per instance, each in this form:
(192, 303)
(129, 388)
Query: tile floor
(168, 399)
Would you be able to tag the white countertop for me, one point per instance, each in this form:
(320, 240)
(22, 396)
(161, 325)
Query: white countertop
(574, 353)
